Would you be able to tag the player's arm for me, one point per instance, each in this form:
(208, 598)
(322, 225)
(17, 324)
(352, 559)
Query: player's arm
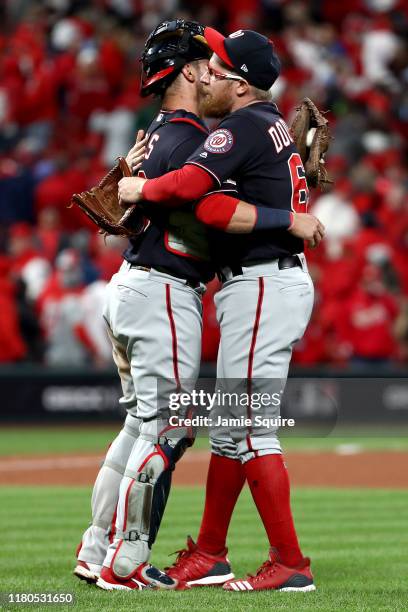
(226, 150)
(230, 214)
(172, 189)
(234, 216)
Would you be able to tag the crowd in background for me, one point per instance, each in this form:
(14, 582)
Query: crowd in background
(69, 104)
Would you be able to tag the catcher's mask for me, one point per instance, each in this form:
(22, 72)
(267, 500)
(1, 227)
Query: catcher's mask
(168, 48)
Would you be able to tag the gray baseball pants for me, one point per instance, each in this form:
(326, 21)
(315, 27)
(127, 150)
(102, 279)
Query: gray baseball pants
(262, 313)
(155, 322)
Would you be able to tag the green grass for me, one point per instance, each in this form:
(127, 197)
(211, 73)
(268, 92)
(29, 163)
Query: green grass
(357, 540)
(71, 439)
(34, 440)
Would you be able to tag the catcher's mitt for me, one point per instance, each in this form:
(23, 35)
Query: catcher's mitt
(307, 118)
(101, 204)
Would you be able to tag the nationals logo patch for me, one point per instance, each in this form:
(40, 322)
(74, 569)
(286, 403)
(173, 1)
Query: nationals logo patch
(219, 141)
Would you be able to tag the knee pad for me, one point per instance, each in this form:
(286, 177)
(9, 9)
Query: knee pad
(155, 454)
(133, 549)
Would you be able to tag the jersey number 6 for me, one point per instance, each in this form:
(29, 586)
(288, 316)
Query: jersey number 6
(300, 192)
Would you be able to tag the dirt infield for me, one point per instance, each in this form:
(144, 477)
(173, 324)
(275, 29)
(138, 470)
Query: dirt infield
(318, 469)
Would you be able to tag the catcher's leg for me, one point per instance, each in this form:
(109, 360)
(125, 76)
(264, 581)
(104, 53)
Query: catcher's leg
(105, 495)
(95, 540)
(158, 319)
(143, 494)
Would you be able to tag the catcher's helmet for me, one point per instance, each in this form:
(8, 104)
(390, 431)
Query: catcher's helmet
(168, 48)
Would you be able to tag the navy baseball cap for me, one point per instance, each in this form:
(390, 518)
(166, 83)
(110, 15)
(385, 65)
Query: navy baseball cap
(250, 54)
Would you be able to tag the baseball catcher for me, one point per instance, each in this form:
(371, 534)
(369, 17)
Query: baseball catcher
(153, 315)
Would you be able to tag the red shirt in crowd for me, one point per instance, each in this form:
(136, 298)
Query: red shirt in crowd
(367, 324)
(12, 346)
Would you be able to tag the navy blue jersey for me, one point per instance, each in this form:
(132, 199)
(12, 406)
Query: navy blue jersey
(253, 147)
(174, 240)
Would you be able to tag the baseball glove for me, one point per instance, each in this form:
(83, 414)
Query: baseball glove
(101, 204)
(310, 123)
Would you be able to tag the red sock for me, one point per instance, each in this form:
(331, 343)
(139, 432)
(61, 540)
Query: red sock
(269, 483)
(225, 480)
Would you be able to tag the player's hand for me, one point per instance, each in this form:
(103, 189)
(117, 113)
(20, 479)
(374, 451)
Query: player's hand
(309, 228)
(130, 190)
(136, 154)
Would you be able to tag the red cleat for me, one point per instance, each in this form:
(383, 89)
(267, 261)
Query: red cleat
(198, 568)
(145, 576)
(272, 575)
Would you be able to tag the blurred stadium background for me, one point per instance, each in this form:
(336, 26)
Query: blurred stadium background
(69, 104)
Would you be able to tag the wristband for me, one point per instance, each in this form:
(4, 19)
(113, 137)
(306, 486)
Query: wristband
(272, 218)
